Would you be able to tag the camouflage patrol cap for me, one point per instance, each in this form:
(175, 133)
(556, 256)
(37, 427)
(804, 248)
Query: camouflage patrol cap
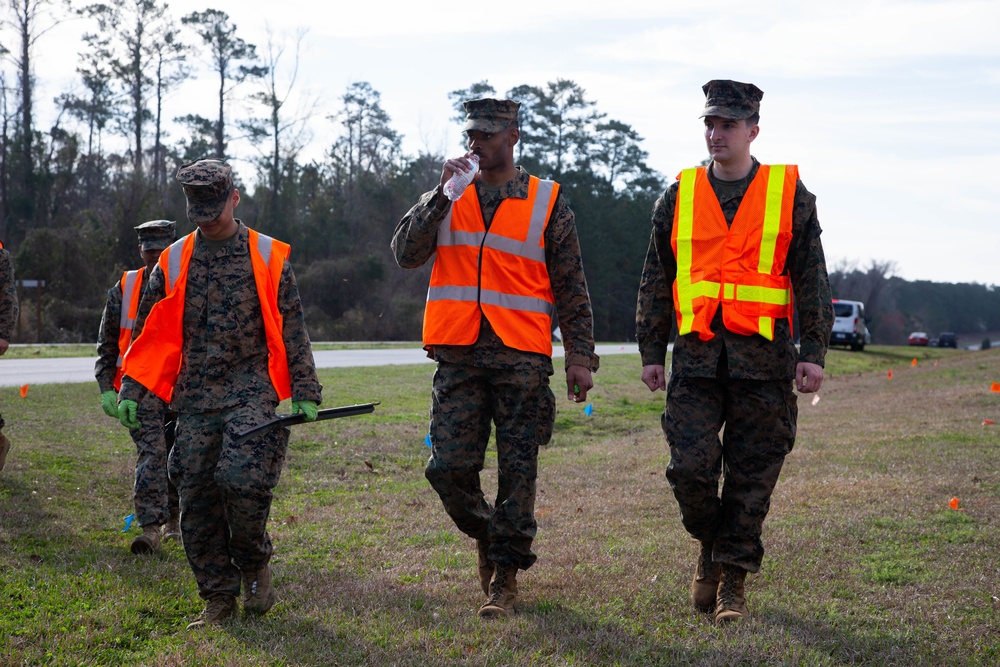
(490, 115)
(207, 185)
(731, 99)
(156, 234)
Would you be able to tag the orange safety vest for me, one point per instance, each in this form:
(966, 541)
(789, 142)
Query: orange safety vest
(738, 266)
(500, 273)
(131, 284)
(154, 358)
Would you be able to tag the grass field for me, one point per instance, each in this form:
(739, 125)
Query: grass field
(866, 563)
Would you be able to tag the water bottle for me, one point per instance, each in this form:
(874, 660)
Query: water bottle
(460, 180)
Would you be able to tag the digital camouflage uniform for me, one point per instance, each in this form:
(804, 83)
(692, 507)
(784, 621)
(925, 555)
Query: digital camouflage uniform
(490, 382)
(742, 382)
(8, 301)
(223, 389)
(153, 496)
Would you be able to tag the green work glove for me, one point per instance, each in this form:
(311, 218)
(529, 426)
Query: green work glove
(109, 403)
(126, 414)
(309, 408)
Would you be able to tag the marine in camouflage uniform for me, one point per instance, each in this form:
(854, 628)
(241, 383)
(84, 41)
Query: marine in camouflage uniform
(489, 381)
(742, 382)
(8, 321)
(154, 498)
(223, 389)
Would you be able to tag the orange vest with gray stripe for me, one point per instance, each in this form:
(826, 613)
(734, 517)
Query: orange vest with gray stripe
(740, 266)
(131, 284)
(500, 273)
(154, 358)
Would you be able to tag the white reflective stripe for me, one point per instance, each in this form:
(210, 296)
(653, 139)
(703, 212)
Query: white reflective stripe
(538, 218)
(174, 262)
(124, 322)
(473, 239)
(264, 243)
(453, 293)
(512, 302)
(514, 247)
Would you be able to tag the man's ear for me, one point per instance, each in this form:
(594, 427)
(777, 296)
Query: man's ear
(754, 131)
(514, 136)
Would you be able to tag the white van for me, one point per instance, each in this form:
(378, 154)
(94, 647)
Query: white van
(849, 326)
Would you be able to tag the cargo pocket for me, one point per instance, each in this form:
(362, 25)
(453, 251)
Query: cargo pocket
(546, 414)
(277, 446)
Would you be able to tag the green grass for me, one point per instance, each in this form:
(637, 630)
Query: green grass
(865, 564)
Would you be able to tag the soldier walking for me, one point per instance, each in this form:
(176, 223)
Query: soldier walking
(153, 496)
(731, 244)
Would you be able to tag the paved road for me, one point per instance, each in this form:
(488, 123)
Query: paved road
(16, 372)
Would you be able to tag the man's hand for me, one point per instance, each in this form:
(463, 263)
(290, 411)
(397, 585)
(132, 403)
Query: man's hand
(109, 403)
(309, 408)
(578, 382)
(454, 165)
(126, 414)
(808, 377)
(654, 376)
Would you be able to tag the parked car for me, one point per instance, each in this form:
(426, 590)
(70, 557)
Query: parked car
(849, 325)
(948, 339)
(918, 338)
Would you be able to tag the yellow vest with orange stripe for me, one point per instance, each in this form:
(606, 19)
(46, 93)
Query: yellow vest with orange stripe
(154, 358)
(131, 284)
(740, 266)
(500, 273)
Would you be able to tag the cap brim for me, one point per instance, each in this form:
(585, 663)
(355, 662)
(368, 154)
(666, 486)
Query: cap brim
(206, 211)
(154, 245)
(483, 125)
(732, 113)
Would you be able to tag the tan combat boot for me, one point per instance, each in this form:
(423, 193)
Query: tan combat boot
(149, 541)
(485, 565)
(218, 609)
(705, 586)
(172, 529)
(258, 593)
(502, 600)
(732, 605)
(4, 448)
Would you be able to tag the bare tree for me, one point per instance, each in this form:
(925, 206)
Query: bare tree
(219, 34)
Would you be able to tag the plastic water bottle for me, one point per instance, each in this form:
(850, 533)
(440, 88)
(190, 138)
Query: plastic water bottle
(460, 180)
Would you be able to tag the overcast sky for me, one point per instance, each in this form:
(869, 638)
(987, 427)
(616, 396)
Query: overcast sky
(891, 109)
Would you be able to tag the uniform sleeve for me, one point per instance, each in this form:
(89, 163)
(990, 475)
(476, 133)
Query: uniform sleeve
(8, 297)
(806, 265)
(415, 238)
(569, 286)
(106, 366)
(301, 366)
(654, 316)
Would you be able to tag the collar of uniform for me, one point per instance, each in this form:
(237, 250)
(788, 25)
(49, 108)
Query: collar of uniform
(237, 244)
(516, 187)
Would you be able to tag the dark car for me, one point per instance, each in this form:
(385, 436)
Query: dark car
(948, 339)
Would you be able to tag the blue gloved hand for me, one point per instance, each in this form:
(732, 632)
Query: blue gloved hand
(109, 403)
(309, 408)
(126, 414)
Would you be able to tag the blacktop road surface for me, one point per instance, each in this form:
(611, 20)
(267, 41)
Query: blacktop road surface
(18, 372)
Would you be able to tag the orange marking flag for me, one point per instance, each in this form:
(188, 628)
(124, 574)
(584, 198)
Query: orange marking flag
(995, 387)
(914, 362)
(890, 373)
(953, 504)
(24, 390)
(988, 422)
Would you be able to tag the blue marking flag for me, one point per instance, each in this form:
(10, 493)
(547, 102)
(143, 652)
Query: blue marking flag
(427, 440)
(589, 410)
(128, 522)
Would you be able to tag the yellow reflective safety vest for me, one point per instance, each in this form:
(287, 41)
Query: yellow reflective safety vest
(131, 284)
(154, 358)
(500, 273)
(740, 266)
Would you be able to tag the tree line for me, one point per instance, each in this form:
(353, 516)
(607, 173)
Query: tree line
(71, 193)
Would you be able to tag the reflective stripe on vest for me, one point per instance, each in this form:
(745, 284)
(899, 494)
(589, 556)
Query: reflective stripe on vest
(740, 266)
(131, 285)
(154, 358)
(500, 273)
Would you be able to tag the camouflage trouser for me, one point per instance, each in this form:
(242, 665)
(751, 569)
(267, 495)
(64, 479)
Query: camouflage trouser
(225, 493)
(759, 419)
(153, 496)
(465, 401)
